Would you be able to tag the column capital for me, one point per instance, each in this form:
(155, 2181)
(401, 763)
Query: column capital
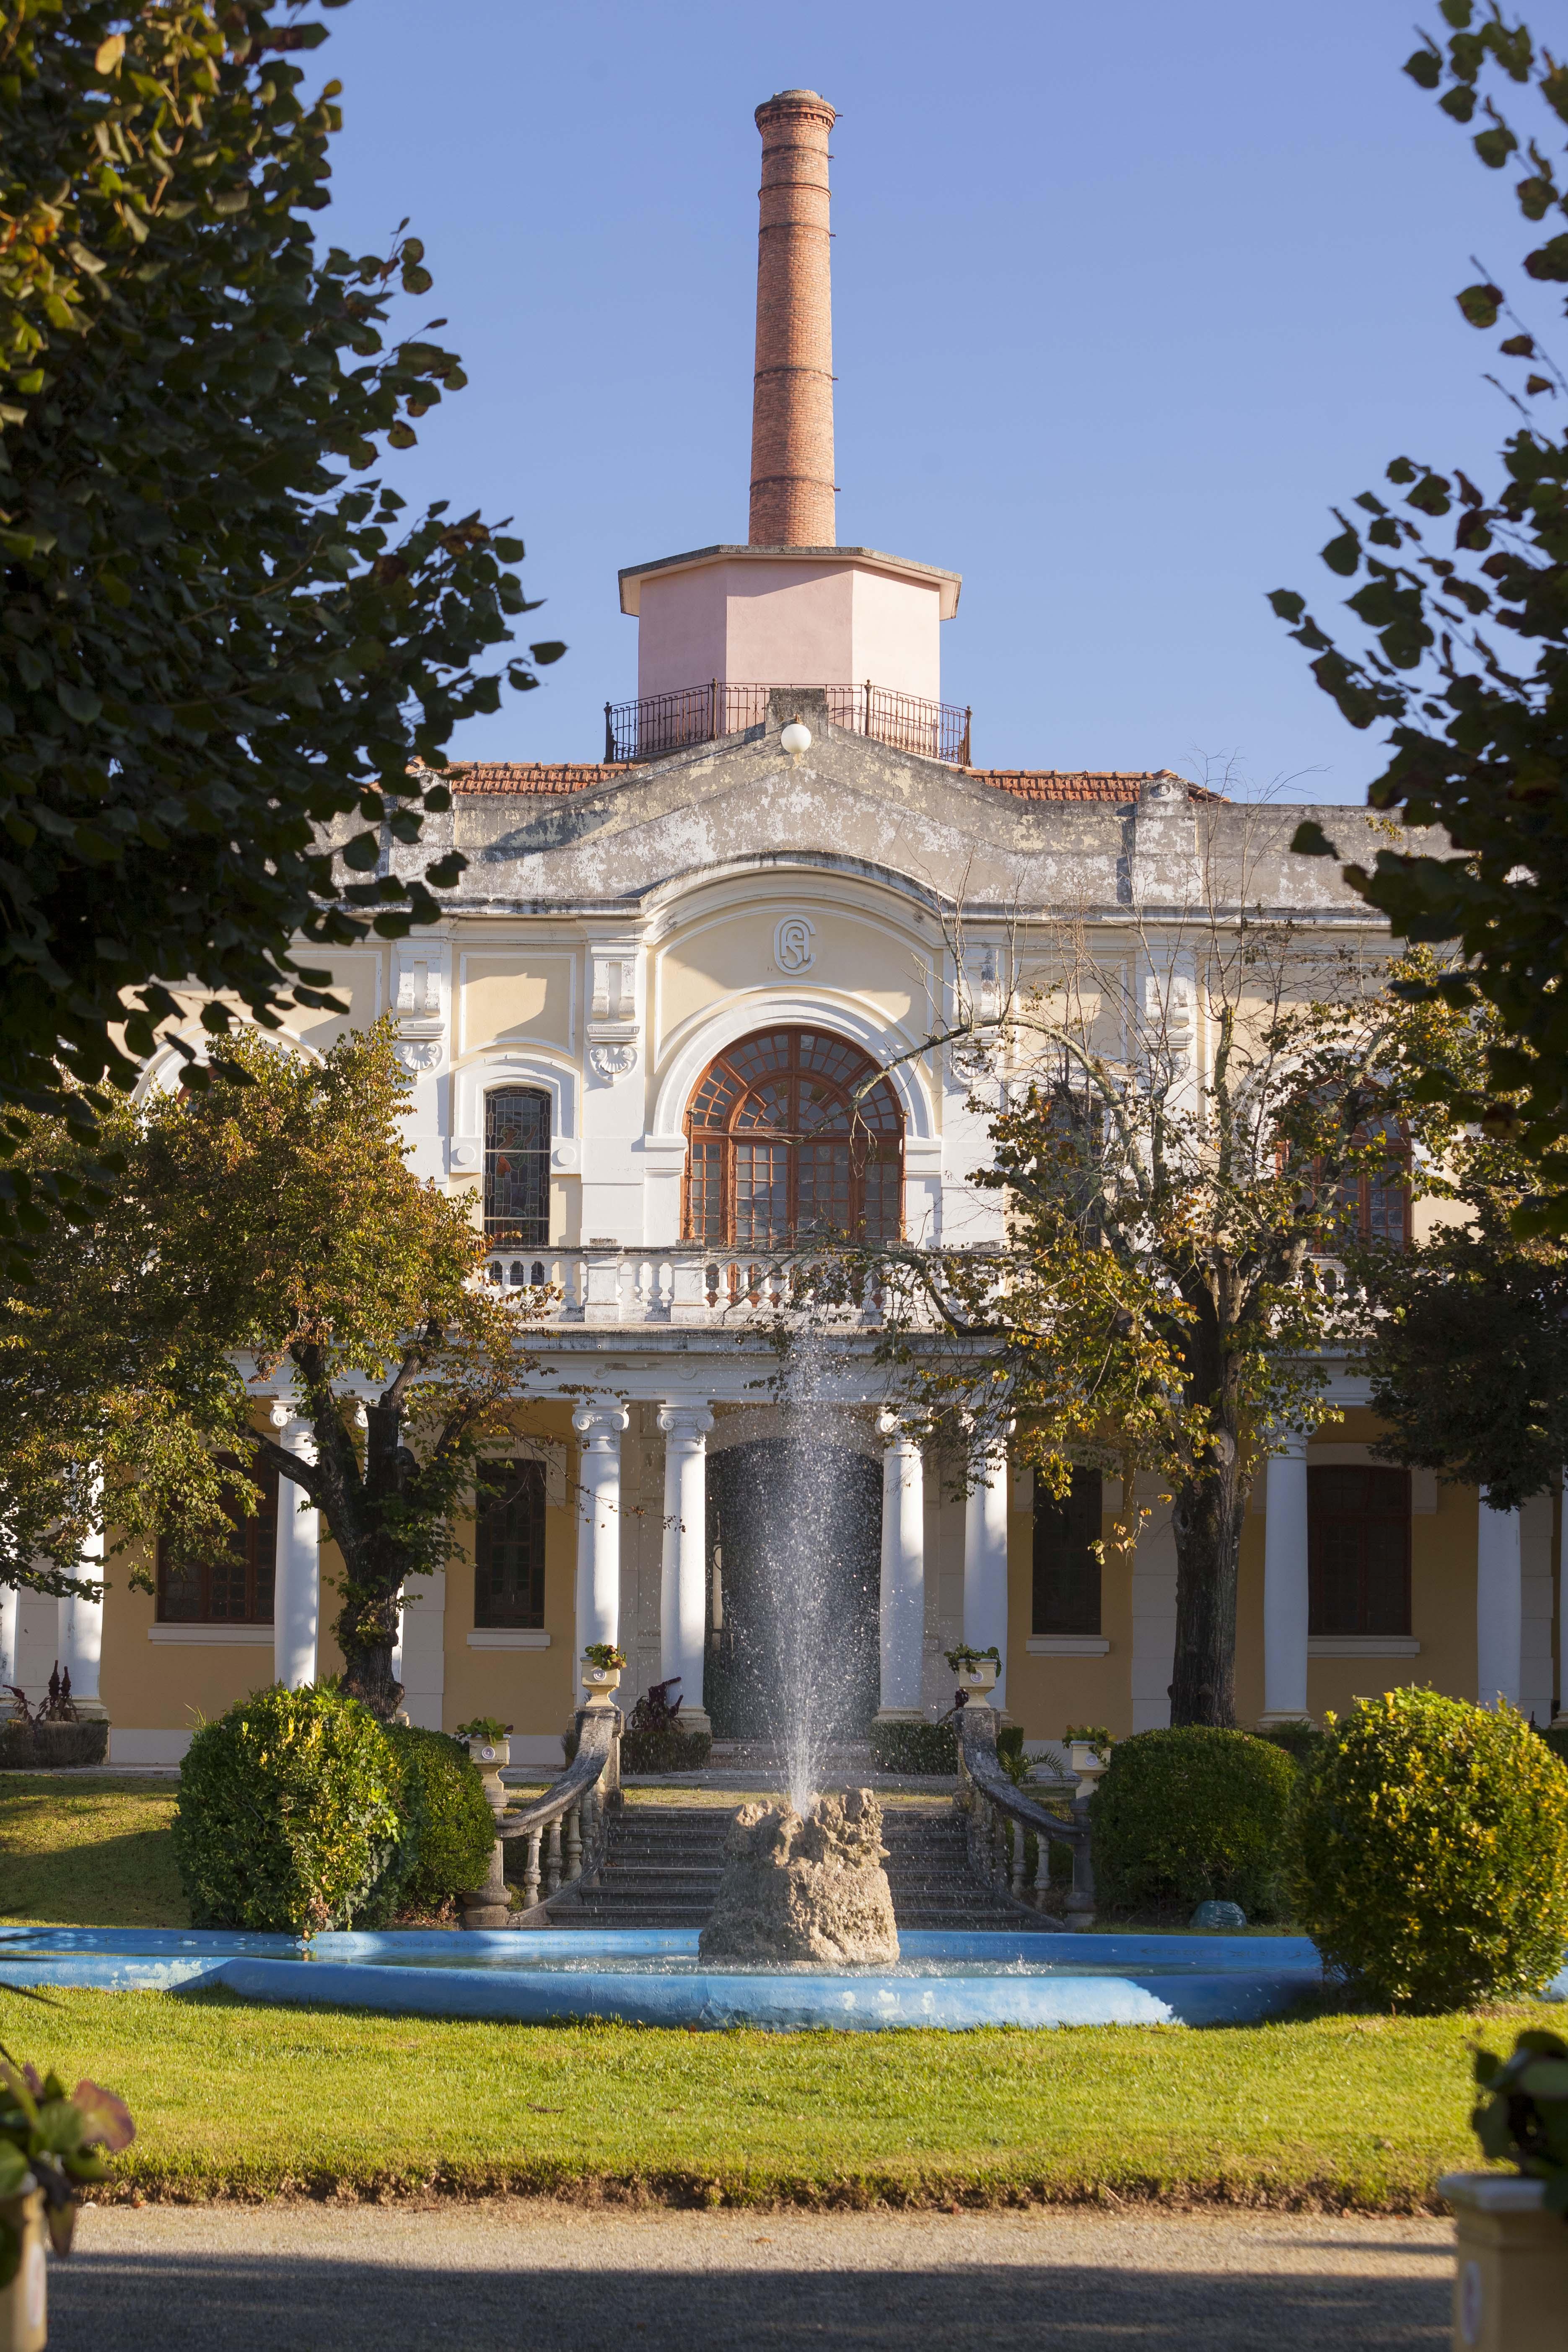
(895, 1431)
(1287, 1445)
(600, 1425)
(689, 1424)
(298, 1432)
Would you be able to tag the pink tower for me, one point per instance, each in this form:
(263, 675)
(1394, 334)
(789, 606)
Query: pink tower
(791, 607)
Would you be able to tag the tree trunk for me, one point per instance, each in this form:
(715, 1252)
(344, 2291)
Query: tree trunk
(366, 1639)
(1206, 1520)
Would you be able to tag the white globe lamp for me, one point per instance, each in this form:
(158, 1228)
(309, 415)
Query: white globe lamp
(795, 738)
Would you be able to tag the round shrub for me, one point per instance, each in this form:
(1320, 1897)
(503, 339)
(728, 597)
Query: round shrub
(1193, 1815)
(1432, 1856)
(293, 1815)
(456, 1830)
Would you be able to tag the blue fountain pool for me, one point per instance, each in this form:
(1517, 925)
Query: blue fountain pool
(655, 1977)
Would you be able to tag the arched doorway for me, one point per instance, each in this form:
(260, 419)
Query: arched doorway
(792, 1136)
(749, 1498)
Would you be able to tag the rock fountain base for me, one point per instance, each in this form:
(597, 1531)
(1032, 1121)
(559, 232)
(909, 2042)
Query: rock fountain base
(804, 1890)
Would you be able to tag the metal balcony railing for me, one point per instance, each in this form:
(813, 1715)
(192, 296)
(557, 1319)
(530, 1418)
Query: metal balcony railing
(662, 723)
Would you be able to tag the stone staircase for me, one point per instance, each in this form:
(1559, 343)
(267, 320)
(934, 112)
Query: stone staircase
(664, 1864)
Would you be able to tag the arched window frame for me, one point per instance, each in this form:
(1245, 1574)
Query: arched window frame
(752, 1180)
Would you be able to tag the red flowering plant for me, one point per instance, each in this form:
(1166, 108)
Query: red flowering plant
(62, 2139)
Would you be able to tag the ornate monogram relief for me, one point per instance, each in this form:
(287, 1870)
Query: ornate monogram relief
(792, 949)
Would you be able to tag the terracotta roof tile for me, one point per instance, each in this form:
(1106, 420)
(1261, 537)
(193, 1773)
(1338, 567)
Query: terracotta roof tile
(542, 776)
(1117, 785)
(548, 778)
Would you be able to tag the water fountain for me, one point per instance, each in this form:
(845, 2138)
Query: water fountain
(803, 1933)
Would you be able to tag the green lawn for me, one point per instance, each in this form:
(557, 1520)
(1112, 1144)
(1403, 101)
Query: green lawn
(239, 2099)
(90, 1853)
(235, 2099)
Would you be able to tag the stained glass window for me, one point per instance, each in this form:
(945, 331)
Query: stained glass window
(517, 1167)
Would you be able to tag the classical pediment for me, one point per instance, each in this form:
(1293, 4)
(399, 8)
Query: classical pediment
(854, 803)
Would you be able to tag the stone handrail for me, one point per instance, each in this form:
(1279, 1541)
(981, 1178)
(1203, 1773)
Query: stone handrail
(682, 1282)
(562, 1832)
(999, 1816)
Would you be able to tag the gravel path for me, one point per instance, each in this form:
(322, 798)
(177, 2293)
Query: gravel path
(521, 2276)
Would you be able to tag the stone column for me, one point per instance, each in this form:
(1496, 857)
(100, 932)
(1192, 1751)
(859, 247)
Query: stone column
(1285, 1586)
(81, 1636)
(986, 1563)
(600, 1428)
(903, 1572)
(683, 1570)
(297, 1582)
(10, 1623)
(1499, 1605)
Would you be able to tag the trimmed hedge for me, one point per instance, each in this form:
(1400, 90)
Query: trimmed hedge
(296, 1813)
(1192, 1815)
(1300, 1741)
(1432, 1858)
(914, 1747)
(455, 1829)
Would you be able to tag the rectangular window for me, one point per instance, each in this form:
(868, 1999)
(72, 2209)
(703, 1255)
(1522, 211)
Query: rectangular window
(509, 1545)
(233, 1585)
(1358, 1548)
(1066, 1568)
(517, 1167)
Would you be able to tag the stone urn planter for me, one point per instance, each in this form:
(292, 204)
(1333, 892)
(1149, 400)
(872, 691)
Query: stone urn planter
(1089, 1766)
(601, 1683)
(24, 2321)
(977, 1676)
(489, 1756)
(1510, 2275)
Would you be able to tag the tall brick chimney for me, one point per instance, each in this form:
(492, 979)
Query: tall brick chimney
(792, 406)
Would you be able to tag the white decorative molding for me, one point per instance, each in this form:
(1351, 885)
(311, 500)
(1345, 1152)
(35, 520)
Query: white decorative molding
(514, 1066)
(418, 1052)
(1067, 1645)
(613, 1027)
(792, 949)
(249, 1637)
(563, 1155)
(508, 1637)
(1363, 1645)
(418, 985)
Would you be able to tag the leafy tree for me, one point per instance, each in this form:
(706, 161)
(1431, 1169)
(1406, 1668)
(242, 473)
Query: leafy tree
(1461, 593)
(267, 1235)
(1468, 1345)
(228, 666)
(1173, 1125)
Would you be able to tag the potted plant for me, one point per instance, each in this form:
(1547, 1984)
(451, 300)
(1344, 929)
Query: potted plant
(489, 1741)
(976, 1671)
(1510, 2282)
(603, 1666)
(50, 2143)
(1088, 1752)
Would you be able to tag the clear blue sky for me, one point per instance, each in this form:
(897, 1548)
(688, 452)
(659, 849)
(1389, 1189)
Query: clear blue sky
(1125, 296)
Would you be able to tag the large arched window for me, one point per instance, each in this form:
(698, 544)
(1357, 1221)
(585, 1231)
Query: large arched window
(517, 1167)
(782, 1146)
